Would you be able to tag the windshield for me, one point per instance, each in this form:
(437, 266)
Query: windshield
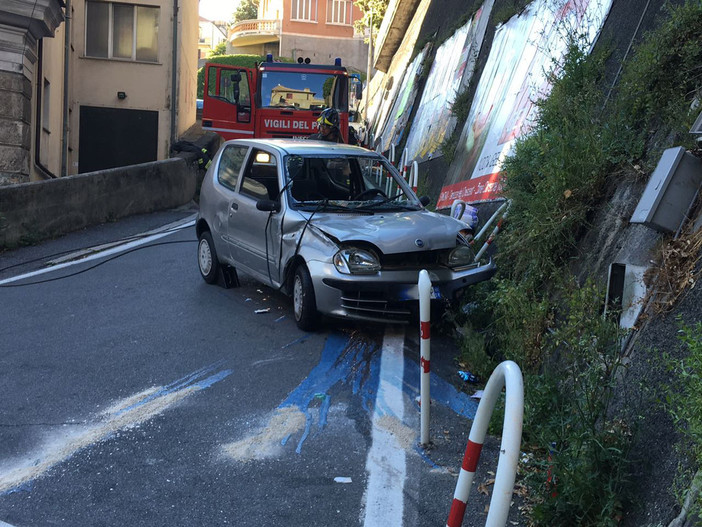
(296, 90)
(353, 183)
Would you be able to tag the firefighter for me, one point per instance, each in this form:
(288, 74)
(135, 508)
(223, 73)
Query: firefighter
(328, 123)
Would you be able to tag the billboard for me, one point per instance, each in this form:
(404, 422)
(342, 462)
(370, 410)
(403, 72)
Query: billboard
(450, 73)
(524, 52)
(391, 123)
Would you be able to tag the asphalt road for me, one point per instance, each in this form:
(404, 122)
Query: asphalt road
(135, 394)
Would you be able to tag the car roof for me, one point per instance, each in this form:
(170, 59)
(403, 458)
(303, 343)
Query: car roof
(304, 147)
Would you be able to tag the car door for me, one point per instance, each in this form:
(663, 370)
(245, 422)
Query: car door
(255, 234)
(226, 180)
(227, 101)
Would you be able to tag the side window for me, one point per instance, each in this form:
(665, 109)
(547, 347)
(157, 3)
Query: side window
(212, 81)
(233, 87)
(261, 177)
(230, 165)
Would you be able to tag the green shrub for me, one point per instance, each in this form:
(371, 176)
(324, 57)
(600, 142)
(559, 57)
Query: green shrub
(684, 396)
(570, 414)
(662, 79)
(556, 174)
(535, 314)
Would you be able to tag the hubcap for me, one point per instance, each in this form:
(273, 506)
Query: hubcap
(205, 257)
(297, 297)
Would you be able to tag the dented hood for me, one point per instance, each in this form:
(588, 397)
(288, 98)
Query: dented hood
(392, 232)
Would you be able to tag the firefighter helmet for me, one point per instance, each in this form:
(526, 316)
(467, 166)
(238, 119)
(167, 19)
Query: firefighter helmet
(329, 117)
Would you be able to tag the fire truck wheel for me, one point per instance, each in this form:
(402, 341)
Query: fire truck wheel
(207, 258)
(304, 303)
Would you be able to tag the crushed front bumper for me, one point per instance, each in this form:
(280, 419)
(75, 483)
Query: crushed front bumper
(388, 296)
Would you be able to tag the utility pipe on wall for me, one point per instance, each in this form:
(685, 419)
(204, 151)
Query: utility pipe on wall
(174, 73)
(66, 62)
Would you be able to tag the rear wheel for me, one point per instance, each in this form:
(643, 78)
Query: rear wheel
(207, 258)
(304, 303)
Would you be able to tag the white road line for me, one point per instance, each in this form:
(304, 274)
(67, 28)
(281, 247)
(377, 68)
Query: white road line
(96, 255)
(386, 463)
(3, 524)
(123, 415)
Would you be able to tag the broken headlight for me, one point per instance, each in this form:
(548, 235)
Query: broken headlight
(354, 260)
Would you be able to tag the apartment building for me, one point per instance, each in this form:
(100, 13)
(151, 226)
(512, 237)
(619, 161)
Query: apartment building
(320, 30)
(93, 84)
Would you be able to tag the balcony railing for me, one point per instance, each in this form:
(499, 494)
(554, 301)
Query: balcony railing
(254, 27)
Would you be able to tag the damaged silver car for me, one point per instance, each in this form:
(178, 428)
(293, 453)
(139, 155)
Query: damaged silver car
(334, 226)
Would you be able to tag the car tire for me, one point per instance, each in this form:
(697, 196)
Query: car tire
(304, 303)
(207, 260)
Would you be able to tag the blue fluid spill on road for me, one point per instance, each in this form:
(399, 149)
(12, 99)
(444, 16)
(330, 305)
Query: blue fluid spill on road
(355, 364)
(441, 391)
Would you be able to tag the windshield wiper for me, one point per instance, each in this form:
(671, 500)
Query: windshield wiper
(323, 206)
(375, 204)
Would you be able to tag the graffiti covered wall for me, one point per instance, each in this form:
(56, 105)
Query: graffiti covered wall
(450, 73)
(524, 52)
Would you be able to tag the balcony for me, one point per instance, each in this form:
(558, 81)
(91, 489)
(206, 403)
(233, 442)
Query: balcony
(252, 32)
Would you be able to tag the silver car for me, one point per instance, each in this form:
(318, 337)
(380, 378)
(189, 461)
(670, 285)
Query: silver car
(334, 226)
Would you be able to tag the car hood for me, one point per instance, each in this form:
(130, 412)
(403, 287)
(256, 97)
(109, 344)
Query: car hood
(393, 232)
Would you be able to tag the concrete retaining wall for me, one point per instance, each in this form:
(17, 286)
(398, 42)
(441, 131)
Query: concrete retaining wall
(30, 212)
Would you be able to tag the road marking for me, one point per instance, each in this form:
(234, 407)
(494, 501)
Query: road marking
(344, 360)
(100, 254)
(386, 463)
(124, 414)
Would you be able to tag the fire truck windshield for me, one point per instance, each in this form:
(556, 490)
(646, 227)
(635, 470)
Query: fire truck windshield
(297, 91)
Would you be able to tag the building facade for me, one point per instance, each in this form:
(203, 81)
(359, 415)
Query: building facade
(111, 84)
(211, 34)
(320, 30)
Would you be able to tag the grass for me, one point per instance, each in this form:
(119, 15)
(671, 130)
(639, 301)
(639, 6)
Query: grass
(684, 399)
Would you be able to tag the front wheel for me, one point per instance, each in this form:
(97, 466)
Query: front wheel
(207, 258)
(304, 303)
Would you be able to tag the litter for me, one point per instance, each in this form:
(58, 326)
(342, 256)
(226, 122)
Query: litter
(477, 395)
(467, 376)
(259, 311)
(342, 480)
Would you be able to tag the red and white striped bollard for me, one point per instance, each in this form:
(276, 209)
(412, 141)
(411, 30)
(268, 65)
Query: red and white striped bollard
(508, 375)
(424, 286)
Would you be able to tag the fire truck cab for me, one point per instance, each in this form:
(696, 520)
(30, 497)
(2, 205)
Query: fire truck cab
(276, 99)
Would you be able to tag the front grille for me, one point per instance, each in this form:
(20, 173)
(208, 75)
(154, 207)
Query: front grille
(417, 260)
(374, 304)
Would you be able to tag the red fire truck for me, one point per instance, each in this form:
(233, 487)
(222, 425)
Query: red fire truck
(276, 99)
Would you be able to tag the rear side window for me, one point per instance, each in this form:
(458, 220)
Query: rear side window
(230, 165)
(261, 177)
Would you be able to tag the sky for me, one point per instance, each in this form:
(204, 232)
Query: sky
(218, 9)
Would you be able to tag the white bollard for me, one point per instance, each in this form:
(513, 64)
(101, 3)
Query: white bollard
(508, 375)
(414, 176)
(424, 286)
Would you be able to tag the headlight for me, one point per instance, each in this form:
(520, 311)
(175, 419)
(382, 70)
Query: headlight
(461, 256)
(356, 261)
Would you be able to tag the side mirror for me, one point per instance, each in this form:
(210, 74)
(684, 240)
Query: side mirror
(235, 77)
(268, 205)
(424, 200)
(358, 87)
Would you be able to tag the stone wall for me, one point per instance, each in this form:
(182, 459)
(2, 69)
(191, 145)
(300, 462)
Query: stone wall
(30, 212)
